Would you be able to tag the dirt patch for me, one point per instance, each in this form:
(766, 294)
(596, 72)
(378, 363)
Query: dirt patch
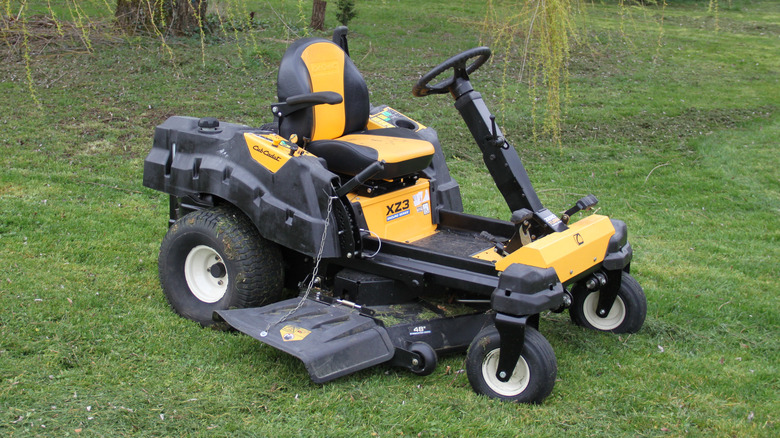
(655, 129)
(46, 35)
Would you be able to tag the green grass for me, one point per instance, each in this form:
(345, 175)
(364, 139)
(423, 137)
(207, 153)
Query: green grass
(680, 140)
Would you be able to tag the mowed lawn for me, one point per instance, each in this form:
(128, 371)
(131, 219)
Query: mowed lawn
(672, 122)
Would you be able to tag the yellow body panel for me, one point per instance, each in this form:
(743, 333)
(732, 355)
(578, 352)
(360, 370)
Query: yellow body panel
(325, 63)
(489, 254)
(392, 149)
(270, 150)
(403, 215)
(570, 252)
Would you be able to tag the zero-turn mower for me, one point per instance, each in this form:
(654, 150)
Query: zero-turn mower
(354, 206)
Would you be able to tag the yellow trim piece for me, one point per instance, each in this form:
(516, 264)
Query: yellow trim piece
(271, 151)
(570, 252)
(489, 254)
(392, 149)
(403, 215)
(325, 62)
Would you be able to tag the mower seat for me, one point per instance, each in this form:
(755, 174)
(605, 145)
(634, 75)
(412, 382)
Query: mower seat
(337, 131)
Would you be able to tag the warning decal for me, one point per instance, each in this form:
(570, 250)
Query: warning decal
(420, 197)
(292, 333)
(421, 201)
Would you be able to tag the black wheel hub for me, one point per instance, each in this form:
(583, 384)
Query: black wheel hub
(218, 270)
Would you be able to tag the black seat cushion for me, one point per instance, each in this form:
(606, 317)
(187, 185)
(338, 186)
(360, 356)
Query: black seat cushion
(403, 151)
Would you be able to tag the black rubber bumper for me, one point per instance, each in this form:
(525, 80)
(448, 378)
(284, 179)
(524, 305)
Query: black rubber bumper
(619, 251)
(527, 290)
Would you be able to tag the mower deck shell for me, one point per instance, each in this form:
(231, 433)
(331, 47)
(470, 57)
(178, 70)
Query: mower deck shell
(332, 341)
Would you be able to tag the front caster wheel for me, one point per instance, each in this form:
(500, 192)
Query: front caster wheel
(428, 359)
(215, 259)
(534, 375)
(626, 316)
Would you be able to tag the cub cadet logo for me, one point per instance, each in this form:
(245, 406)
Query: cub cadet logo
(579, 239)
(267, 153)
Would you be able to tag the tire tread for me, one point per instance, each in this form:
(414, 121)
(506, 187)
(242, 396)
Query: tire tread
(256, 262)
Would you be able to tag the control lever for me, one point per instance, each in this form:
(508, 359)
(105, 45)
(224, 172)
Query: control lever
(494, 139)
(585, 203)
(340, 38)
(360, 178)
(522, 220)
(521, 216)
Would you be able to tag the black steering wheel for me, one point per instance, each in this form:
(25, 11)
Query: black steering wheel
(462, 71)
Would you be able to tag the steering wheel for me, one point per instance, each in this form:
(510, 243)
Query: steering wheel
(462, 71)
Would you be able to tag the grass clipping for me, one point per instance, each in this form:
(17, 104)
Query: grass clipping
(544, 30)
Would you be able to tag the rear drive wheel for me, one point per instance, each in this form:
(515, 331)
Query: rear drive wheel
(215, 259)
(626, 316)
(534, 375)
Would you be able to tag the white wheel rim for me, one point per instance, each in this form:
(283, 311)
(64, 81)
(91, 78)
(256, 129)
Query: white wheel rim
(197, 271)
(612, 321)
(515, 385)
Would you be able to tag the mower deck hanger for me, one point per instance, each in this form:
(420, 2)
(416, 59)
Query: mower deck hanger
(354, 205)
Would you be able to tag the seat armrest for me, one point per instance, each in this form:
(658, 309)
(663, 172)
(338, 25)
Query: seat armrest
(308, 100)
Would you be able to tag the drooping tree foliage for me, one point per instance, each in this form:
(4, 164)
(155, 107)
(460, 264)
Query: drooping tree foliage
(541, 32)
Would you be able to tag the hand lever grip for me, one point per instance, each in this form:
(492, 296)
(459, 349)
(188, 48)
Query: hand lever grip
(583, 204)
(360, 178)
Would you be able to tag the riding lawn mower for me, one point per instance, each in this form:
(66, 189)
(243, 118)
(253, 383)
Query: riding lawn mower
(353, 206)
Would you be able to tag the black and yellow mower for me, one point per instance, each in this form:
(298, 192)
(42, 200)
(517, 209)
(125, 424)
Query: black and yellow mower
(353, 205)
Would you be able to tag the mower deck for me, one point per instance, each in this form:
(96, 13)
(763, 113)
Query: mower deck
(332, 341)
(335, 338)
